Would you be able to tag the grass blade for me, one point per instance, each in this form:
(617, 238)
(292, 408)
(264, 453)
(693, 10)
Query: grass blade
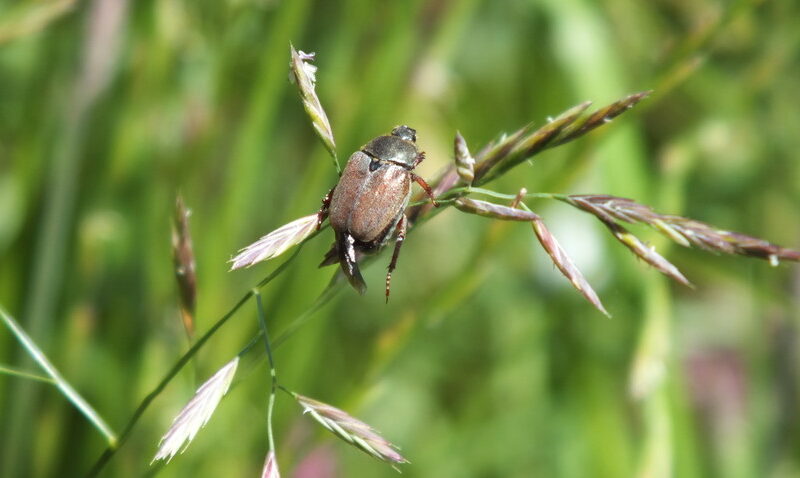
(70, 393)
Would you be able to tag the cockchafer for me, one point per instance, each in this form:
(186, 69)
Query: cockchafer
(367, 207)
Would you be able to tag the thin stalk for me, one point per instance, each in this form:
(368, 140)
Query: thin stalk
(263, 323)
(72, 395)
(22, 374)
(323, 298)
(123, 437)
(451, 194)
(96, 69)
(334, 286)
(511, 197)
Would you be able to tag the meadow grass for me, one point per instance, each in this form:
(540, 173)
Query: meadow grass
(486, 362)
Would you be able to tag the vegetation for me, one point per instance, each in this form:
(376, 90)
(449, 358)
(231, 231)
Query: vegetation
(485, 362)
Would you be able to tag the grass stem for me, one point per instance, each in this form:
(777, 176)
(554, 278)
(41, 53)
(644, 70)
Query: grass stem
(22, 374)
(69, 392)
(274, 376)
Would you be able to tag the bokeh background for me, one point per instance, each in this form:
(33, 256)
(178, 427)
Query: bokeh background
(486, 363)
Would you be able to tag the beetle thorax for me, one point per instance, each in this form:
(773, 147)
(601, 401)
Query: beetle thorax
(392, 149)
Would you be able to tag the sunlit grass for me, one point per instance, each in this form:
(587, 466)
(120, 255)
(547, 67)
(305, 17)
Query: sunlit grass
(486, 362)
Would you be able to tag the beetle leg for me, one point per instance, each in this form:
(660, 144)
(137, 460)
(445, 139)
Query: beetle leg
(345, 243)
(425, 186)
(398, 243)
(420, 157)
(322, 214)
(331, 257)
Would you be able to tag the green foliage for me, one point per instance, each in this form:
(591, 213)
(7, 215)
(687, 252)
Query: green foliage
(485, 362)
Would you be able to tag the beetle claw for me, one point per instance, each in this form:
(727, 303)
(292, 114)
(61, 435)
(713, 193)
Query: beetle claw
(324, 210)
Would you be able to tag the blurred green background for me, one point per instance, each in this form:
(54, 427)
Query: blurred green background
(486, 363)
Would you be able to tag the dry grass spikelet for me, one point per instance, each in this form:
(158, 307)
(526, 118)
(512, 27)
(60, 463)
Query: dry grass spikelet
(196, 413)
(276, 242)
(351, 430)
(270, 469)
(184, 263)
(499, 157)
(465, 163)
(686, 232)
(304, 75)
(565, 265)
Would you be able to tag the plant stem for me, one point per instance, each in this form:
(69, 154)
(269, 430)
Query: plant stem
(489, 192)
(263, 323)
(111, 450)
(19, 373)
(72, 395)
(323, 298)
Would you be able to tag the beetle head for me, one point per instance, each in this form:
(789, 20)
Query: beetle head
(405, 132)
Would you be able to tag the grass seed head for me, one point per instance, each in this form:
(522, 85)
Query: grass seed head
(196, 413)
(276, 242)
(304, 75)
(351, 430)
(686, 232)
(509, 152)
(494, 211)
(465, 163)
(270, 469)
(184, 263)
(647, 254)
(565, 265)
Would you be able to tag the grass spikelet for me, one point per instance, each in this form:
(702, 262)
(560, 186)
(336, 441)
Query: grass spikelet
(610, 208)
(351, 430)
(304, 75)
(686, 232)
(571, 124)
(196, 413)
(276, 242)
(565, 265)
(497, 151)
(647, 254)
(465, 163)
(184, 263)
(706, 236)
(494, 211)
(584, 124)
(270, 469)
(544, 136)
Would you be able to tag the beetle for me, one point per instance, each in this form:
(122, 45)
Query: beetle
(367, 206)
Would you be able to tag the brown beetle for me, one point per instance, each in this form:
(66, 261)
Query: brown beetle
(368, 204)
